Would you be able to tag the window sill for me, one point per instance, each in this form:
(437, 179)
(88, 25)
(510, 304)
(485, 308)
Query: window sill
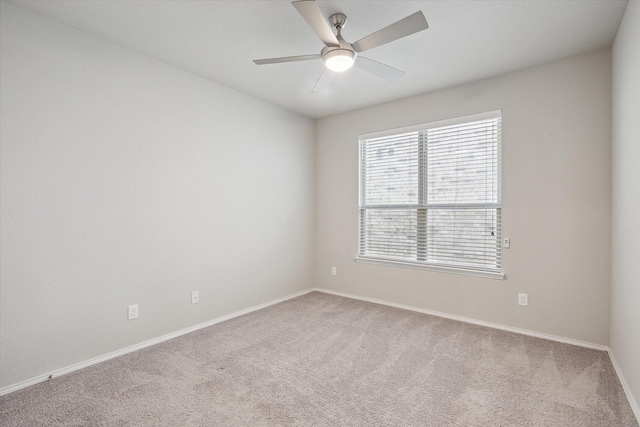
(415, 266)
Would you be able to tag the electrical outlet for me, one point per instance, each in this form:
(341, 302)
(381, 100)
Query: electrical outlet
(523, 299)
(195, 297)
(506, 242)
(333, 271)
(133, 311)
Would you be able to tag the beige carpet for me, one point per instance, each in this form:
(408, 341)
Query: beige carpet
(323, 360)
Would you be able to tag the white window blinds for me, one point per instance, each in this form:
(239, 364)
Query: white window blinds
(431, 195)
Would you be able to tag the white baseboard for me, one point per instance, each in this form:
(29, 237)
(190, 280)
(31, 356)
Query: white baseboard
(84, 364)
(470, 320)
(625, 386)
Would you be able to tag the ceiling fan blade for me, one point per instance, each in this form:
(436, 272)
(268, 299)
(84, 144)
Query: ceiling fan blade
(322, 85)
(287, 59)
(313, 15)
(379, 69)
(402, 28)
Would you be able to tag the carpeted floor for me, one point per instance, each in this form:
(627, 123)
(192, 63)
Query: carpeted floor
(323, 360)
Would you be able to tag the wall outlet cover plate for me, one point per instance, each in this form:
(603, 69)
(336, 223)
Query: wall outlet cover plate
(523, 299)
(133, 311)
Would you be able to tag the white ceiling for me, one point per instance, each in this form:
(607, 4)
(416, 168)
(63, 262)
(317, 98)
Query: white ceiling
(467, 40)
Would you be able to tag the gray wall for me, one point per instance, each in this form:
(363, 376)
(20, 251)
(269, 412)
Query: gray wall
(124, 180)
(127, 181)
(556, 201)
(625, 266)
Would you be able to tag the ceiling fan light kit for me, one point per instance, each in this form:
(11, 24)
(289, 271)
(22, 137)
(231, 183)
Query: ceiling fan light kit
(339, 60)
(338, 55)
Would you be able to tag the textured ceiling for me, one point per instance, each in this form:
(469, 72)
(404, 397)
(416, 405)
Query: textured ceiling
(467, 40)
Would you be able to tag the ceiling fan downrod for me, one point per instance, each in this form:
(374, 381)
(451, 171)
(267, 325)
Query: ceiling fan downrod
(340, 58)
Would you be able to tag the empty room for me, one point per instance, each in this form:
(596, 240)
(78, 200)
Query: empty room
(320, 213)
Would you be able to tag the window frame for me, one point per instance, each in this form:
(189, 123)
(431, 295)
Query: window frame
(425, 265)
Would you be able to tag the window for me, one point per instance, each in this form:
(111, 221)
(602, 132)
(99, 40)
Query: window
(430, 195)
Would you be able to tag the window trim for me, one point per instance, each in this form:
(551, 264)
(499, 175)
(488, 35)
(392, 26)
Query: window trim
(493, 114)
(465, 271)
(430, 267)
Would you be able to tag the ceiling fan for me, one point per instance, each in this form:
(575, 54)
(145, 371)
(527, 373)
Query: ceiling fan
(339, 55)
